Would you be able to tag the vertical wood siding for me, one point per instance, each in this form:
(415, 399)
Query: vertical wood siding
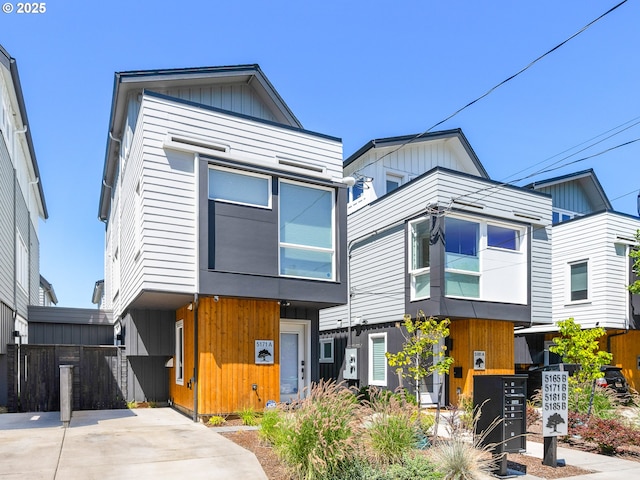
(626, 349)
(495, 338)
(227, 331)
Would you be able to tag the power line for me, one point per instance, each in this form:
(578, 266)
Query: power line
(508, 79)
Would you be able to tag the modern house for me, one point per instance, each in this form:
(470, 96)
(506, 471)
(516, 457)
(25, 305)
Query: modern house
(22, 205)
(225, 236)
(591, 272)
(428, 230)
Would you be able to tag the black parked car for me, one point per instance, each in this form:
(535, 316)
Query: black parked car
(613, 378)
(534, 382)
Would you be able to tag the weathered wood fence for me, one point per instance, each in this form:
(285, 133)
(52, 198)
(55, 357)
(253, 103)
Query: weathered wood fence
(99, 377)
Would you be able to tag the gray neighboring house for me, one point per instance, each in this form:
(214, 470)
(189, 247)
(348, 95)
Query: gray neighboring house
(47, 293)
(70, 326)
(22, 205)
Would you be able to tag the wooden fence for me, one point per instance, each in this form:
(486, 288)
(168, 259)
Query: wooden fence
(99, 377)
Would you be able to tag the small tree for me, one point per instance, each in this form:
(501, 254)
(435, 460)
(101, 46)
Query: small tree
(581, 346)
(420, 357)
(635, 254)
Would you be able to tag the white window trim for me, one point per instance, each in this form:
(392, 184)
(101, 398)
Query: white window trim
(137, 223)
(393, 175)
(378, 383)
(179, 362)
(22, 264)
(323, 342)
(414, 273)
(331, 250)
(568, 300)
(247, 174)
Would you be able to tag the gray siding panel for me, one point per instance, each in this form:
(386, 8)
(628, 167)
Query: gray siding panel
(69, 326)
(7, 231)
(6, 329)
(149, 332)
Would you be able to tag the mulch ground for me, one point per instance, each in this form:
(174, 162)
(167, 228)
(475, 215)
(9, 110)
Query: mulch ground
(275, 470)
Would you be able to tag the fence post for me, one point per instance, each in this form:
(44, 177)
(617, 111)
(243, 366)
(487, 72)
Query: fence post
(66, 393)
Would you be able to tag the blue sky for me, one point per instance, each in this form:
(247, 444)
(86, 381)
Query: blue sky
(356, 70)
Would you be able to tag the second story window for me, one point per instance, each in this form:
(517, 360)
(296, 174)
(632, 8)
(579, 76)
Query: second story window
(462, 261)
(579, 281)
(419, 238)
(22, 263)
(236, 186)
(307, 236)
(393, 182)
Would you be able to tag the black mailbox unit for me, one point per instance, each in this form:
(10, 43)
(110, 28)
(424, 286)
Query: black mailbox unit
(502, 397)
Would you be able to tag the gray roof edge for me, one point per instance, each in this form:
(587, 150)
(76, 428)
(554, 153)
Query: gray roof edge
(12, 65)
(589, 172)
(39, 314)
(421, 137)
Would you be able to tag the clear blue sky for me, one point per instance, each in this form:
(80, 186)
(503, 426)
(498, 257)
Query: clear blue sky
(353, 69)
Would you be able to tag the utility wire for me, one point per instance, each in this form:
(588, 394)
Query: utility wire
(506, 80)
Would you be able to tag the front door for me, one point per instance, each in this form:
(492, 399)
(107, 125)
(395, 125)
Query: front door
(294, 368)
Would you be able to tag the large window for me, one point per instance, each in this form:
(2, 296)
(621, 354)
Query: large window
(462, 261)
(579, 281)
(307, 237)
(378, 359)
(419, 243)
(235, 186)
(179, 367)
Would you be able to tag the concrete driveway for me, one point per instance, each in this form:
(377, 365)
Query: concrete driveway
(153, 443)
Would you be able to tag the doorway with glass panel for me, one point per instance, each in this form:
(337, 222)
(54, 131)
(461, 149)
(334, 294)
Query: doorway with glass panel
(295, 369)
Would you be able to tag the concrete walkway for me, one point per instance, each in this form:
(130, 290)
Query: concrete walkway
(153, 443)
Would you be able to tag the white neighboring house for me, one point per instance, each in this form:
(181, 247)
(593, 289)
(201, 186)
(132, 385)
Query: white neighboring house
(429, 230)
(22, 206)
(591, 271)
(46, 293)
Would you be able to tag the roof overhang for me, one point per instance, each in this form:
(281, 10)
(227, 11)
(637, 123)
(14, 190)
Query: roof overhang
(126, 83)
(11, 65)
(401, 141)
(587, 180)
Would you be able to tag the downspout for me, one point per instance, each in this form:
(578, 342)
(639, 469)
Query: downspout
(195, 357)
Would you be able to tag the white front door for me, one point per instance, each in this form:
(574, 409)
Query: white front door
(294, 364)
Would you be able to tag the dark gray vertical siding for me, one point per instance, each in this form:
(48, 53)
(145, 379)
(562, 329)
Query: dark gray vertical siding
(69, 326)
(148, 343)
(7, 230)
(149, 332)
(6, 327)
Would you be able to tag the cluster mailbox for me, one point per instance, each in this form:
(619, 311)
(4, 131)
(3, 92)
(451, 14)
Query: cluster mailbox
(503, 419)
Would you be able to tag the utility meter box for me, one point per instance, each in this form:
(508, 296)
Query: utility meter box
(350, 364)
(502, 399)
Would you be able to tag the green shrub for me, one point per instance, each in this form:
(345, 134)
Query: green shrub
(414, 467)
(216, 420)
(317, 437)
(249, 416)
(392, 428)
(604, 400)
(270, 425)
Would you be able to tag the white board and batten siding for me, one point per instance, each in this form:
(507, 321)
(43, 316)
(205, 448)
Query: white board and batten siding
(162, 254)
(410, 161)
(602, 240)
